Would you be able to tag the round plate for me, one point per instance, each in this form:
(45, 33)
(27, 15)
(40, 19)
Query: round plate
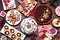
(57, 11)
(28, 26)
(43, 14)
(13, 17)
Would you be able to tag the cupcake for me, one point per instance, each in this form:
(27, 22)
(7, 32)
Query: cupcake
(56, 22)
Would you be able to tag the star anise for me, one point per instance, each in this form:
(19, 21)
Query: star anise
(45, 15)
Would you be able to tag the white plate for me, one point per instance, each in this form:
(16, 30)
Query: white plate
(10, 4)
(57, 11)
(8, 13)
(15, 32)
(28, 29)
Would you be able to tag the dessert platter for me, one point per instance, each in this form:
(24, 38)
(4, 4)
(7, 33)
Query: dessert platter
(46, 34)
(30, 20)
(11, 32)
(13, 17)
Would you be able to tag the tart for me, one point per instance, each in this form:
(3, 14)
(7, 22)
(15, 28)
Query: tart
(12, 30)
(6, 32)
(56, 22)
(6, 27)
(43, 14)
(13, 36)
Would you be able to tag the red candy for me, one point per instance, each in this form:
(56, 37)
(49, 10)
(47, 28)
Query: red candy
(3, 13)
(32, 13)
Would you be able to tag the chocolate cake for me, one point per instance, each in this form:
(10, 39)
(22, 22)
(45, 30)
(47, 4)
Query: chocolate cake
(43, 14)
